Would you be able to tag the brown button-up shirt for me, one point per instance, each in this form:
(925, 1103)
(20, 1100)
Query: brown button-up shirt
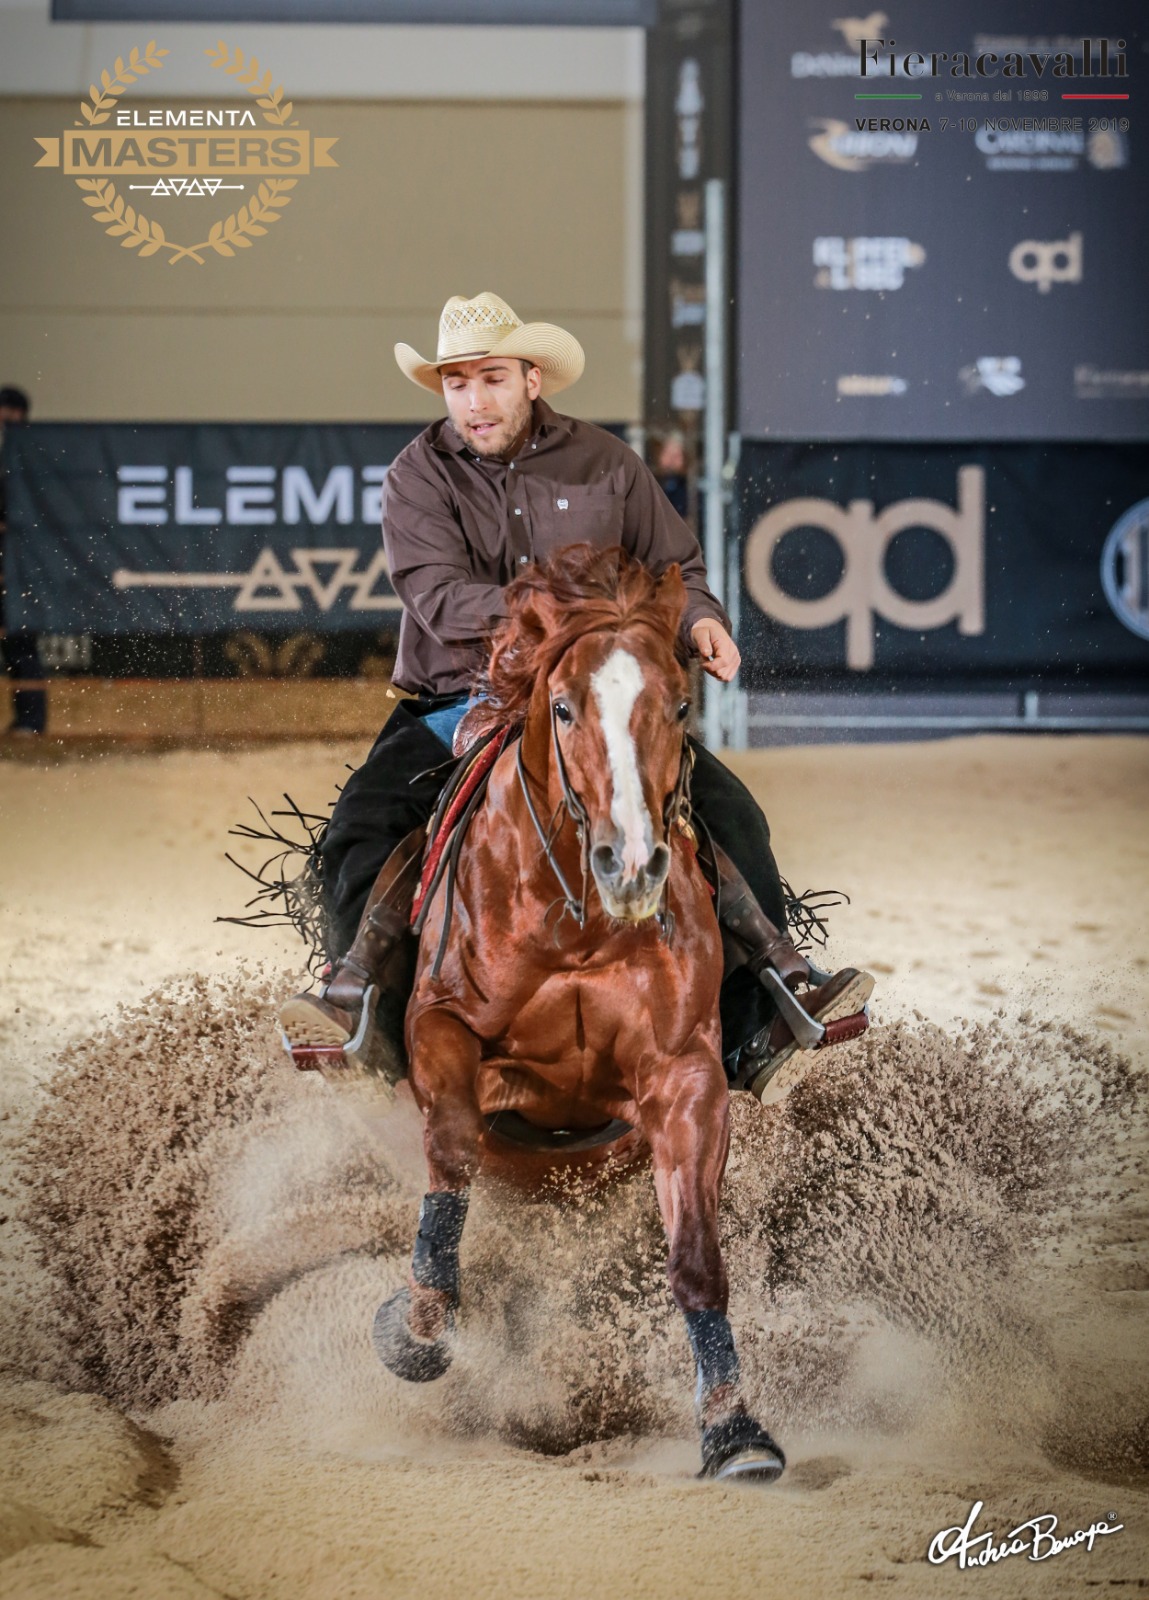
(458, 527)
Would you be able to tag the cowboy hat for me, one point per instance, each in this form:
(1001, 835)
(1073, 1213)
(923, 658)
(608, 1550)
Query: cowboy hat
(486, 326)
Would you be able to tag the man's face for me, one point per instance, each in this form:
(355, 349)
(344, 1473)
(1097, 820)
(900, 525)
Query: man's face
(12, 414)
(489, 402)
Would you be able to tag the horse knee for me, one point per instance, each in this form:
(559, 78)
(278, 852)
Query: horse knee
(697, 1273)
(452, 1138)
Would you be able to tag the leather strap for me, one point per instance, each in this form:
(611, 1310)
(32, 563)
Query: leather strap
(844, 1028)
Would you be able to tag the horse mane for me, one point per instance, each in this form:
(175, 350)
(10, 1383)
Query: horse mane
(578, 590)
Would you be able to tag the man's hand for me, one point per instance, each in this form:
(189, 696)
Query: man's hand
(719, 653)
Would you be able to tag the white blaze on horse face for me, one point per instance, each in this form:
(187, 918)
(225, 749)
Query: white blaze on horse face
(617, 685)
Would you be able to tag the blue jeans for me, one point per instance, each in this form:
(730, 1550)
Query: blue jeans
(443, 722)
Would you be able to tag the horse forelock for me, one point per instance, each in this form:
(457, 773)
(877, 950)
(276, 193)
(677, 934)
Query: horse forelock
(579, 591)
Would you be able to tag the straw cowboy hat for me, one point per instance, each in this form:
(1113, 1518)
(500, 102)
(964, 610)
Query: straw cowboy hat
(486, 326)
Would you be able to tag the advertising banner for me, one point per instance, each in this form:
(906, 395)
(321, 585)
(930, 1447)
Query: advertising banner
(182, 529)
(942, 213)
(970, 562)
(689, 129)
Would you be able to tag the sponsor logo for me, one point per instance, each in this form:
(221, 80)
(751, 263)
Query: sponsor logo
(1125, 569)
(1107, 148)
(65, 652)
(183, 155)
(1091, 383)
(853, 150)
(869, 54)
(1033, 261)
(1000, 375)
(688, 386)
(1053, 144)
(687, 304)
(688, 106)
(270, 586)
(863, 591)
(858, 383)
(864, 263)
(688, 237)
(840, 62)
(252, 497)
(856, 30)
(1030, 149)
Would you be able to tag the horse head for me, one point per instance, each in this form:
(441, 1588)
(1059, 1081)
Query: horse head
(618, 704)
(594, 634)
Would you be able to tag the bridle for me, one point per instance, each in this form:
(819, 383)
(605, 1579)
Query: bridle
(675, 813)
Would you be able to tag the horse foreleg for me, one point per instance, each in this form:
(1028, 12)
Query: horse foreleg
(413, 1329)
(685, 1118)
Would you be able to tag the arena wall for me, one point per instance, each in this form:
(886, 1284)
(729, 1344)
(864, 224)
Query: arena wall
(429, 199)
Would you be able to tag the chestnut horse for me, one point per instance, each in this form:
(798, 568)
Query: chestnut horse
(568, 1016)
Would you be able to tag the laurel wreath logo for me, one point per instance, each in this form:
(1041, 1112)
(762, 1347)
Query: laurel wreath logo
(137, 232)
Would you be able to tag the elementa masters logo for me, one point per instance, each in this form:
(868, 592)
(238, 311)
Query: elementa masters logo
(180, 156)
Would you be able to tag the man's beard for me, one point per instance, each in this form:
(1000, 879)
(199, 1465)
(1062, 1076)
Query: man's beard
(506, 437)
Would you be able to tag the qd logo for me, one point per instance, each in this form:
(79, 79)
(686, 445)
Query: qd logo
(1045, 264)
(863, 590)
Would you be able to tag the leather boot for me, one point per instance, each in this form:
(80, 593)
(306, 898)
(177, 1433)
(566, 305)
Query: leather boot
(814, 1008)
(355, 1022)
(744, 919)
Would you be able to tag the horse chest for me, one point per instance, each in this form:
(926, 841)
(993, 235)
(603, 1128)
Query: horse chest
(583, 1022)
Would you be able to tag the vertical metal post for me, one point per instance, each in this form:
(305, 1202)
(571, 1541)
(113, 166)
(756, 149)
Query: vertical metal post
(714, 541)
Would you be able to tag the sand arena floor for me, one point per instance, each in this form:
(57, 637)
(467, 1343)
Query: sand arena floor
(937, 1245)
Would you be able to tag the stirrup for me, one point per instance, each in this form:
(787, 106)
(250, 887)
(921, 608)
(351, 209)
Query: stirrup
(317, 1042)
(832, 1018)
(807, 1030)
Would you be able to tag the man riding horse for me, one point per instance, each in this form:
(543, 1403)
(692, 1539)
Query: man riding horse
(480, 496)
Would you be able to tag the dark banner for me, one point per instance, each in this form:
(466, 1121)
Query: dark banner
(186, 529)
(894, 562)
(689, 132)
(951, 246)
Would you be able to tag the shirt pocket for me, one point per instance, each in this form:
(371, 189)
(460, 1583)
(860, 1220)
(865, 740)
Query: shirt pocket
(564, 514)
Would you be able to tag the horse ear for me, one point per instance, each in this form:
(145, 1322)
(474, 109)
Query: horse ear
(670, 596)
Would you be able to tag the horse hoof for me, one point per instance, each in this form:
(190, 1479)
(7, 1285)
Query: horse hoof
(739, 1450)
(417, 1360)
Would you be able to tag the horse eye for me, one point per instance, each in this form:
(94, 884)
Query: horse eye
(563, 712)
(683, 711)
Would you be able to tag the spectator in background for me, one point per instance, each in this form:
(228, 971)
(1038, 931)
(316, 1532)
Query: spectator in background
(670, 470)
(21, 656)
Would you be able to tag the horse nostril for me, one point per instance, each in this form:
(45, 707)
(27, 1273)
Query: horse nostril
(604, 861)
(659, 864)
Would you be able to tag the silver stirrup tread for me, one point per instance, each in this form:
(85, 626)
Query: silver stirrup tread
(807, 1031)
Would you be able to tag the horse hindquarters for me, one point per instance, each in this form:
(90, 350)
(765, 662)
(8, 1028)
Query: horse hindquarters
(685, 1118)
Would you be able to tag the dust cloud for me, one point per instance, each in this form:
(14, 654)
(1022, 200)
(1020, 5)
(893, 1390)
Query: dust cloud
(936, 1244)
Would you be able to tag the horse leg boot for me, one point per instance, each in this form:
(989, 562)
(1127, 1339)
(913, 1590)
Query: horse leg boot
(413, 1331)
(340, 1027)
(814, 1009)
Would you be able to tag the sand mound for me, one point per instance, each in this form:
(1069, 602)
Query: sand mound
(908, 1233)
